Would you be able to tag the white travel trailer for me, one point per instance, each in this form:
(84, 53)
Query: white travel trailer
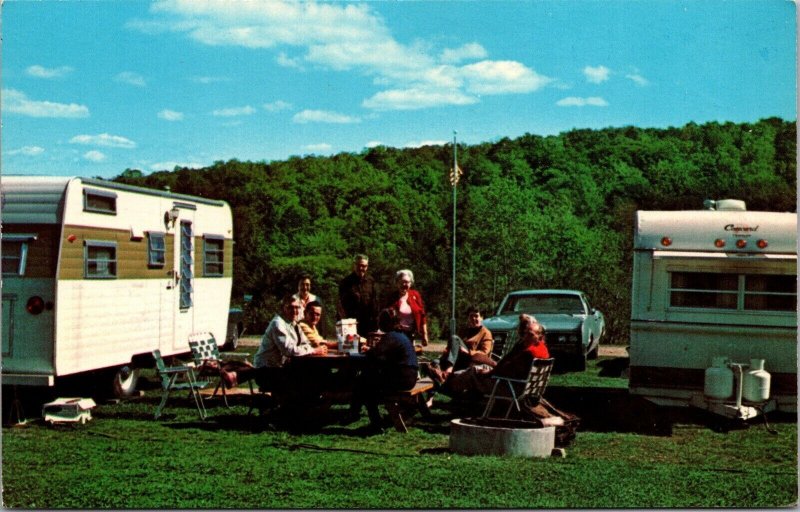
(713, 290)
(97, 274)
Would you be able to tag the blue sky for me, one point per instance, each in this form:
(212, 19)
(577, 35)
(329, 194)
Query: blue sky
(90, 88)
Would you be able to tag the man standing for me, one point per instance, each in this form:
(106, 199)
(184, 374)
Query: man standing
(358, 297)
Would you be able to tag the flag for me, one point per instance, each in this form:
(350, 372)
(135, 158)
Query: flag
(455, 174)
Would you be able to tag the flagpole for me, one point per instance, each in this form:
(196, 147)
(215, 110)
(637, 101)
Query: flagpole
(455, 184)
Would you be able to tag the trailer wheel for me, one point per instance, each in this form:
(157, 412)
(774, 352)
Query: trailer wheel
(232, 342)
(123, 383)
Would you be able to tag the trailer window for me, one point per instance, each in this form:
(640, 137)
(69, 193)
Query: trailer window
(15, 252)
(14, 257)
(704, 290)
(770, 293)
(99, 201)
(213, 255)
(100, 260)
(187, 262)
(708, 290)
(156, 249)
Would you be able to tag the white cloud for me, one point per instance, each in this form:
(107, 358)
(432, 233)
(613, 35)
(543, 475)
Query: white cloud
(94, 156)
(131, 78)
(27, 151)
(596, 75)
(426, 143)
(346, 37)
(43, 72)
(638, 79)
(277, 106)
(288, 62)
(573, 101)
(210, 79)
(373, 144)
(318, 148)
(323, 116)
(17, 102)
(168, 166)
(502, 77)
(466, 52)
(234, 111)
(170, 115)
(104, 139)
(416, 98)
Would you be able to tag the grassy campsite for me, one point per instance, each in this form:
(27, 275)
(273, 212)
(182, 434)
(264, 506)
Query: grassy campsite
(626, 455)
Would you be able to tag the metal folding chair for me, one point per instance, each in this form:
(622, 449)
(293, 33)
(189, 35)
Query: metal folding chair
(518, 391)
(178, 378)
(204, 348)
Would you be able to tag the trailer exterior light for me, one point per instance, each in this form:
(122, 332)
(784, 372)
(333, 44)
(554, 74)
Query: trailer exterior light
(35, 305)
(666, 241)
(762, 244)
(741, 244)
(719, 243)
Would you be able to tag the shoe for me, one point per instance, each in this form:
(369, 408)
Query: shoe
(350, 418)
(373, 430)
(437, 375)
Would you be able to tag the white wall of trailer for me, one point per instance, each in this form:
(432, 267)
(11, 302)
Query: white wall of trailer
(98, 323)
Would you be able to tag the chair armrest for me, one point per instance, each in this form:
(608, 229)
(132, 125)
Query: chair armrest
(509, 379)
(177, 369)
(233, 355)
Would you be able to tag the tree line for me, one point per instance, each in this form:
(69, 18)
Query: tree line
(533, 212)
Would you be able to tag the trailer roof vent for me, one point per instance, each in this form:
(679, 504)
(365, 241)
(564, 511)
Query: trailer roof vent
(725, 204)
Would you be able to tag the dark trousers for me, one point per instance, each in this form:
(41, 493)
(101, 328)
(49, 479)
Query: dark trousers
(376, 382)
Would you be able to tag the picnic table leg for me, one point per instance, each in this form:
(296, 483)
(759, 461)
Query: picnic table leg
(395, 414)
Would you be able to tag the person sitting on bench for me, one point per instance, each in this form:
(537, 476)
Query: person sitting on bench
(392, 367)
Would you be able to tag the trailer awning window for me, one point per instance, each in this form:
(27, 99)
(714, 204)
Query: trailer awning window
(213, 255)
(733, 291)
(156, 249)
(99, 201)
(15, 252)
(100, 260)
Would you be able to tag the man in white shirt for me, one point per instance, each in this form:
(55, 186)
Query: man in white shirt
(283, 339)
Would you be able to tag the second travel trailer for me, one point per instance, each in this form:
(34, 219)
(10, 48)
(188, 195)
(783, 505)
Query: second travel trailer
(714, 309)
(97, 274)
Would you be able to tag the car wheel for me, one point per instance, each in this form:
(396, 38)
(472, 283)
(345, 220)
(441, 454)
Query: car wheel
(580, 363)
(592, 354)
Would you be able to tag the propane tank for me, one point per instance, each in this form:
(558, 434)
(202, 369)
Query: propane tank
(756, 382)
(718, 379)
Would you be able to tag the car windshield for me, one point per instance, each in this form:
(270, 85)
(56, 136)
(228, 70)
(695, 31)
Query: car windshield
(544, 304)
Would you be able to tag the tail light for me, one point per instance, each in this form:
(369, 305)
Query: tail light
(35, 305)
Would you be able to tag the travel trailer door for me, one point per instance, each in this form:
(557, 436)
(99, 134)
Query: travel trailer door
(184, 264)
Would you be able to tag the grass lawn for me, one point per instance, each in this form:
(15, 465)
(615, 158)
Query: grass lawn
(627, 454)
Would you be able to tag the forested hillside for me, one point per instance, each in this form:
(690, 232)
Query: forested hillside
(533, 212)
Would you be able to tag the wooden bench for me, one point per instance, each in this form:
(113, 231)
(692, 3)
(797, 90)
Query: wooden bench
(398, 403)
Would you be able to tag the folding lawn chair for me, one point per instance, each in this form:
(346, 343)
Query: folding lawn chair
(204, 348)
(178, 378)
(517, 391)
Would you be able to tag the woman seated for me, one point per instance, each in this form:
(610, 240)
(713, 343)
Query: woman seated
(516, 364)
(471, 347)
